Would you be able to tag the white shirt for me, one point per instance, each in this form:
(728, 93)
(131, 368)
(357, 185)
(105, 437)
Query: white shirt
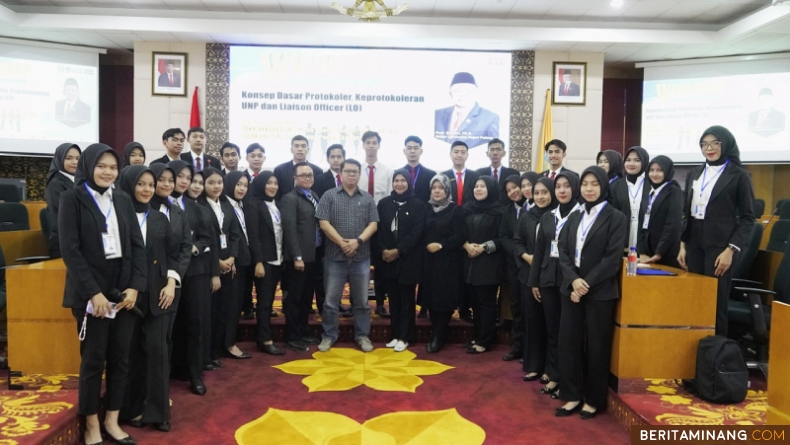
(239, 211)
(634, 201)
(278, 231)
(252, 174)
(68, 175)
(700, 197)
(178, 201)
(559, 221)
(382, 180)
(587, 221)
(195, 157)
(556, 172)
(217, 208)
(105, 204)
(164, 209)
(498, 172)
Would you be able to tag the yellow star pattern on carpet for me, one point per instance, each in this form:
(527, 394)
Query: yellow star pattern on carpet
(751, 412)
(280, 427)
(343, 369)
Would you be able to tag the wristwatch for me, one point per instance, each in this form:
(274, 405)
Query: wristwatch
(734, 248)
(359, 240)
(298, 258)
(485, 248)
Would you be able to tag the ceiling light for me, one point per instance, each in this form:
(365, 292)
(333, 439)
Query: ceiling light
(616, 3)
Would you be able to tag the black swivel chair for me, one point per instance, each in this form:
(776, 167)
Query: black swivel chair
(784, 208)
(43, 219)
(13, 216)
(759, 208)
(10, 193)
(779, 235)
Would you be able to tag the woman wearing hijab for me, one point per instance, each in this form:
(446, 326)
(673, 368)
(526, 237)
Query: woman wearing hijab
(445, 233)
(148, 393)
(514, 207)
(626, 196)
(264, 225)
(134, 154)
(402, 217)
(192, 325)
(661, 213)
(235, 189)
(612, 163)
(534, 324)
(228, 233)
(484, 263)
(527, 180)
(104, 253)
(590, 257)
(718, 213)
(59, 179)
(546, 277)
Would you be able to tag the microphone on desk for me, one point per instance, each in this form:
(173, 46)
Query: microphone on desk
(776, 210)
(116, 297)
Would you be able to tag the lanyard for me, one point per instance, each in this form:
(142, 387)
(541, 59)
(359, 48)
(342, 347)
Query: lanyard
(558, 220)
(416, 174)
(592, 221)
(705, 172)
(241, 219)
(638, 189)
(109, 212)
(275, 212)
(178, 201)
(142, 223)
(616, 177)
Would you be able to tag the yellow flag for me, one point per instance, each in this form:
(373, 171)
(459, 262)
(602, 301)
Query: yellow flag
(546, 134)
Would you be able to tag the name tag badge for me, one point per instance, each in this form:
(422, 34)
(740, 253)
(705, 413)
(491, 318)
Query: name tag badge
(577, 258)
(647, 221)
(108, 240)
(634, 215)
(699, 211)
(223, 241)
(555, 250)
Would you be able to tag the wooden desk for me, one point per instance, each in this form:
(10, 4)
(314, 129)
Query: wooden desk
(33, 210)
(42, 335)
(779, 366)
(22, 243)
(765, 265)
(659, 322)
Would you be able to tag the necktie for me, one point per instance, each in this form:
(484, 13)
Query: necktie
(312, 200)
(371, 184)
(198, 167)
(496, 174)
(254, 175)
(457, 121)
(411, 170)
(553, 175)
(337, 180)
(170, 76)
(567, 86)
(460, 185)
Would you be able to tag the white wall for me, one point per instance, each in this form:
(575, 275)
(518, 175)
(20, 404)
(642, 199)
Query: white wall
(155, 114)
(578, 126)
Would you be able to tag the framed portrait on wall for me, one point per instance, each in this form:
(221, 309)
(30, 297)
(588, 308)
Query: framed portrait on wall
(169, 77)
(569, 83)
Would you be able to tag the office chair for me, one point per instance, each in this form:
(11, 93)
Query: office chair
(759, 208)
(13, 216)
(10, 193)
(779, 235)
(741, 269)
(784, 209)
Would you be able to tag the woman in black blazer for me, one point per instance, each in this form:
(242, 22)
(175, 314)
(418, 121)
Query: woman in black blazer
(627, 195)
(104, 253)
(661, 213)
(192, 325)
(528, 179)
(134, 154)
(148, 393)
(235, 189)
(514, 206)
(228, 233)
(545, 278)
(484, 262)
(59, 179)
(264, 225)
(534, 325)
(719, 215)
(445, 233)
(612, 162)
(402, 217)
(590, 251)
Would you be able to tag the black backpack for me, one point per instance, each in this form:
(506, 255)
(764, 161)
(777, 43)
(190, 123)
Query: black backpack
(721, 376)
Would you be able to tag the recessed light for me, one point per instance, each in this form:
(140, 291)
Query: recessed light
(616, 3)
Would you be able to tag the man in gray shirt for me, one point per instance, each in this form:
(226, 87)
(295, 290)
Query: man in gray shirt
(348, 218)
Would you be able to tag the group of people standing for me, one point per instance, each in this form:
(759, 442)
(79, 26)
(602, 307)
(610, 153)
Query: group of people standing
(160, 259)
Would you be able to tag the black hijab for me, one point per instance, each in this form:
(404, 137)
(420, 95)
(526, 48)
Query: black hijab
(402, 197)
(56, 166)
(259, 186)
(127, 151)
(131, 174)
(157, 201)
(573, 180)
(515, 180)
(644, 156)
(603, 180)
(491, 204)
(178, 166)
(88, 160)
(729, 147)
(537, 212)
(667, 166)
(615, 160)
(229, 184)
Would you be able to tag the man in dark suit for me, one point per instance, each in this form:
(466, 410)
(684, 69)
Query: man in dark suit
(230, 154)
(466, 120)
(420, 175)
(285, 171)
(555, 151)
(170, 78)
(173, 140)
(568, 88)
(71, 111)
(196, 137)
(767, 120)
(460, 175)
(335, 155)
(496, 151)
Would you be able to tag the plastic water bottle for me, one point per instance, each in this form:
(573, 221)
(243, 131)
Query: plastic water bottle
(632, 260)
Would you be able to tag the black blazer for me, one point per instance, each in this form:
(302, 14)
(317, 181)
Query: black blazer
(662, 235)
(422, 185)
(260, 228)
(545, 270)
(601, 256)
(503, 175)
(323, 182)
(203, 236)
(407, 269)
(245, 252)
(162, 254)
(285, 176)
(470, 178)
(618, 197)
(182, 233)
(230, 227)
(488, 268)
(524, 242)
(507, 232)
(729, 216)
(208, 161)
(80, 228)
(299, 226)
(55, 188)
(548, 171)
(164, 160)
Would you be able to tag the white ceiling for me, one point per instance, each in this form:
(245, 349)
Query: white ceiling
(640, 30)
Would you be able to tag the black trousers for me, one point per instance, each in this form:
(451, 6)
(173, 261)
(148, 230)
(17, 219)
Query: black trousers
(402, 307)
(551, 301)
(586, 330)
(300, 300)
(518, 326)
(107, 341)
(534, 332)
(234, 307)
(220, 302)
(246, 301)
(266, 287)
(192, 328)
(702, 260)
(440, 320)
(148, 392)
(484, 307)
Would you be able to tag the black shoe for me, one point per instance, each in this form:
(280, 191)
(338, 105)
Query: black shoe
(210, 367)
(562, 412)
(242, 356)
(469, 344)
(128, 440)
(528, 378)
(217, 363)
(273, 314)
(311, 340)
(381, 311)
(248, 316)
(510, 356)
(435, 345)
(547, 390)
(163, 426)
(298, 346)
(136, 423)
(587, 415)
(423, 313)
(198, 387)
(473, 350)
(270, 349)
(555, 395)
(346, 312)
(545, 380)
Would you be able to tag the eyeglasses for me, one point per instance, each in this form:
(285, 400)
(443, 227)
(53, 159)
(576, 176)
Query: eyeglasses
(715, 144)
(351, 172)
(305, 176)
